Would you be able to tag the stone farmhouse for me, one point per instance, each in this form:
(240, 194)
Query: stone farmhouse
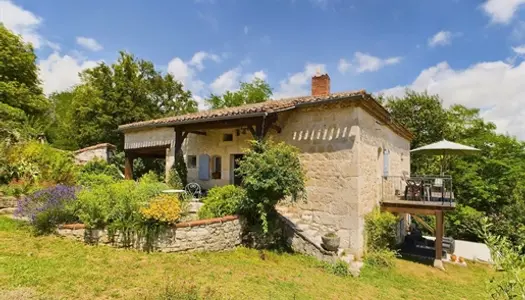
(348, 142)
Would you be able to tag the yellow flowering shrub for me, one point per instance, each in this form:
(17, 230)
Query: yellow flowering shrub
(163, 208)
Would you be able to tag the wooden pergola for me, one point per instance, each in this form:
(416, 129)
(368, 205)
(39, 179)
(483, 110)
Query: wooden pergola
(435, 208)
(259, 125)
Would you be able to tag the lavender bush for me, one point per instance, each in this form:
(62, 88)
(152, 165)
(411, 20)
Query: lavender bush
(47, 208)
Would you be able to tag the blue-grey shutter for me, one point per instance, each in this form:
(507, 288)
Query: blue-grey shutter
(386, 162)
(204, 167)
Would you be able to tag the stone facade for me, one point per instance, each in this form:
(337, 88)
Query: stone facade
(342, 149)
(100, 151)
(203, 235)
(213, 145)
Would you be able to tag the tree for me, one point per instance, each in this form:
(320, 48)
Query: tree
(270, 172)
(490, 184)
(21, 97)
(127, 91)
(60, 133)
(250, 92)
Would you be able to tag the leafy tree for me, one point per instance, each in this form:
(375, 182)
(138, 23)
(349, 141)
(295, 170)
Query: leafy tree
(21, 96)
(250, 92)
(490, 184)
(270, 172)
(61, 131)
(127, 91)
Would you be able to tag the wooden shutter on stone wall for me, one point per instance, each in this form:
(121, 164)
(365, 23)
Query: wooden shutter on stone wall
(204, 167)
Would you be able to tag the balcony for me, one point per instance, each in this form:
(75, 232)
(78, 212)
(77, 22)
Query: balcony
(420, 194)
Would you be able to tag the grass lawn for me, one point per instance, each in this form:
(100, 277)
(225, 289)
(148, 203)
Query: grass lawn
(54, 268)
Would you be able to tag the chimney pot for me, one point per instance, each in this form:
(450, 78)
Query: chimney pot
(321, 85)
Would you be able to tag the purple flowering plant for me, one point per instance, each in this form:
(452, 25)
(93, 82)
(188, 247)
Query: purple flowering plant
(47, 208)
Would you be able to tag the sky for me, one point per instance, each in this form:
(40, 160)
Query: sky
(470, 52)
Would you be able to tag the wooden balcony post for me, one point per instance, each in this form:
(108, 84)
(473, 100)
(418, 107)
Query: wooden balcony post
(128, 166)
(438, 262)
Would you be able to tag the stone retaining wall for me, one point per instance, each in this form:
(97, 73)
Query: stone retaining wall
(7, 205)
(202, 235)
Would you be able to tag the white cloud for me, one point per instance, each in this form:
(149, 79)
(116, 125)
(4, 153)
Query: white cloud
(22, 22)
(227, 81)
(441, 38)
(183, 72)
(199, 57)
(501, 11)
(495, 87)
(343, 66)
(89, 43)
(251, 76)
(298, 84)
(59, 73)
(368, 63)
(246, 29)
(520, 50)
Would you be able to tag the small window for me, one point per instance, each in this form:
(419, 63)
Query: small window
(191, 161)
(216, 167)
(227, 137)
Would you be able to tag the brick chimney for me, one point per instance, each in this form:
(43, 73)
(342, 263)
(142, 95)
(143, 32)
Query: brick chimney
(320, 85)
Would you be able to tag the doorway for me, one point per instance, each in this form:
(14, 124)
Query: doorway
(236, 179)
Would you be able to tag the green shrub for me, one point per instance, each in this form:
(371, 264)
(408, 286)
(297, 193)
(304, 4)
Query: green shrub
(182, 170)
(339, 268)
(100, 166)
(174, 180)
(222, 201)
(36, 161)
(381, 230)
(150, 177)
(270, 172)
(91, 179)
(117, 206)
(381, 258)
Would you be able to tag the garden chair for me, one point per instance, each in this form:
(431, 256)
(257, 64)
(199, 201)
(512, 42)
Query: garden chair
(194, 190)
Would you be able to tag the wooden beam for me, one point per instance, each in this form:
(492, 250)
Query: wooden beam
(198, 132)
(409, 210)
(234, 123)
(423, 223)
(438, 263)
(128, 166)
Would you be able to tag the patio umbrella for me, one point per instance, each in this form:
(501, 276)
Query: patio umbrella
(445, 148)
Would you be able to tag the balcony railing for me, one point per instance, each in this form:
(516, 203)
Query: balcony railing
(418, 188)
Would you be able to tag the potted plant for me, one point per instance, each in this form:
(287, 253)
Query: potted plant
(331, 241)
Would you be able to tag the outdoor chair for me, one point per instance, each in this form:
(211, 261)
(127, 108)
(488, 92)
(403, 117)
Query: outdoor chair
(194, 189)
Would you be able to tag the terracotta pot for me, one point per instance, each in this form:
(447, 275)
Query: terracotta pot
(331, 243)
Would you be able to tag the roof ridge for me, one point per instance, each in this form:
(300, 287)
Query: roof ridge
(270, 105)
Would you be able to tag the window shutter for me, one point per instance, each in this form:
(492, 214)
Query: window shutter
(204, 167)
(386, 162)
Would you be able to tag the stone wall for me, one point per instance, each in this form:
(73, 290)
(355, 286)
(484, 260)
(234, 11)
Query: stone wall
(327, 137)
(375, 139)
(212, 144)
(100, 151)
(7, 205)
(203, 235)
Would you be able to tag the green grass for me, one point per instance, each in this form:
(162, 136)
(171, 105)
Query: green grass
(51, 267)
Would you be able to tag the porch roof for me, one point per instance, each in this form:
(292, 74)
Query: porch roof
(274, 106)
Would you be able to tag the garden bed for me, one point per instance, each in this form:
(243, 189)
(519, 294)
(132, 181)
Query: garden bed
(215, 234)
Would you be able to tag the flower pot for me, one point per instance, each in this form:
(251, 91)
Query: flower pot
(331, 242)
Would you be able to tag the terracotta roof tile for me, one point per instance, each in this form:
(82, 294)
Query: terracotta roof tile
(263, 107)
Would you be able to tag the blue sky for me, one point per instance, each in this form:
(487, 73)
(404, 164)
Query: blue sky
(469, 52)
